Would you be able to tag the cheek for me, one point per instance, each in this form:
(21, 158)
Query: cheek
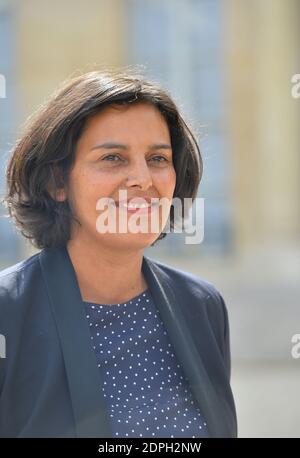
(90, 185)
(166, 181)
(173, 178)
(80, 194)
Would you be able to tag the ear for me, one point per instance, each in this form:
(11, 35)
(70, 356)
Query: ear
(55, 186)
(60, 195)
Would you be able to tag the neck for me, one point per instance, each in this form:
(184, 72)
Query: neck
(105, 276)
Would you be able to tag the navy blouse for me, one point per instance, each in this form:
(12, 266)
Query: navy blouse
(146, 391)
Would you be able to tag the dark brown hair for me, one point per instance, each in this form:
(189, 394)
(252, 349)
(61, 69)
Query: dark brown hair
(46, 150)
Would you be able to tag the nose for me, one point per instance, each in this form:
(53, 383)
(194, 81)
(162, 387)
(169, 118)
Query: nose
(139, 175)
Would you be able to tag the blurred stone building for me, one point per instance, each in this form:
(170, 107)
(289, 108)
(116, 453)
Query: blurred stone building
(228, 65)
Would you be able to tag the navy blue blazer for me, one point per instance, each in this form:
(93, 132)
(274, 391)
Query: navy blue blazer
(49, 379)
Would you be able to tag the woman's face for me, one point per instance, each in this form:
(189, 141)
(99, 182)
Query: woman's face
(137, 158)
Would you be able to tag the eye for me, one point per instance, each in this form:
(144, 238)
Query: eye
(110, 156)
(158, 159)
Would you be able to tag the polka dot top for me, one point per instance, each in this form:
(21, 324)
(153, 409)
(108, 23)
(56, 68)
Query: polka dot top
(146, 391)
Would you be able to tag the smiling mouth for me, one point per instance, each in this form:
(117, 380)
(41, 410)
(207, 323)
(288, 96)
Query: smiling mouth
(137, 207)
(133, 206)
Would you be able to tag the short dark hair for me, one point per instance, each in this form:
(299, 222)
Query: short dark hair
(47, 146)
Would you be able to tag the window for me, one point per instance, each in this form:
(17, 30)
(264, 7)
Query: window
(180, 43)
(9, 240)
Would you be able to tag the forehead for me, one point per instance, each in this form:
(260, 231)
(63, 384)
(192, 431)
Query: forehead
(140, 119)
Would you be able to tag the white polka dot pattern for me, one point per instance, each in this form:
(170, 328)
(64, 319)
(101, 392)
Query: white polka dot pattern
(146, 391)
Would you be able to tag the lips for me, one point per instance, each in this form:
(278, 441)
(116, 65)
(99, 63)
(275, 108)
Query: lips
(138, 203)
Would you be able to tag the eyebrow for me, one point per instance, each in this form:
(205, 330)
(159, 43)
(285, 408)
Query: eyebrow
(111, 145)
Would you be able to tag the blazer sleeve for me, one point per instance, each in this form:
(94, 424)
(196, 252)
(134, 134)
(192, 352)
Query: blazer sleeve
(226, 346)
(219, 321)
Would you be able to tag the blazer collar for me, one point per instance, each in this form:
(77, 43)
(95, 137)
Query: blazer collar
(83, 375)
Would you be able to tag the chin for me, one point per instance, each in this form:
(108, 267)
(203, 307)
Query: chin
(130, 241)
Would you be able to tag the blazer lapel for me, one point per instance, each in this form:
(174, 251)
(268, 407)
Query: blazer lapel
(83, 375)
(186, 350)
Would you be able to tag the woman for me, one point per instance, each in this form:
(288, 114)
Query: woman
(101, 340)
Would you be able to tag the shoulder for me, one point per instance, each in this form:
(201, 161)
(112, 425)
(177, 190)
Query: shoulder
(200, 301)
(18, 267)
(16, 279)
(199, 298)
(202, 304)
(188, 284)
